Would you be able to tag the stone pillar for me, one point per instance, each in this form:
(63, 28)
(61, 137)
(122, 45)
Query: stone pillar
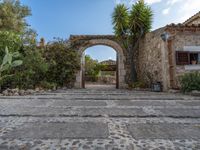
(78, 83)
(165, 66)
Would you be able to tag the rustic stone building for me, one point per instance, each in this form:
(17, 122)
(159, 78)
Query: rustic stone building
(169, 52)
(163, 55)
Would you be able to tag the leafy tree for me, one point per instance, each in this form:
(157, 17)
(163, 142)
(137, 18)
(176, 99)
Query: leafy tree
(63, 63)
(14, 32)
(129, 27)
(12, 15)
(91, 67)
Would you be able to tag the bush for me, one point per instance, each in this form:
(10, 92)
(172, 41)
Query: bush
(32, 72)
(11, 40)
(47, 85)
(92, 68)
(63, 63)
(190, 82)
(9, 61)
(55, 65)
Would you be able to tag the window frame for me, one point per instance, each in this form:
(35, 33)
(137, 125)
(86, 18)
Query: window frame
(178, 61)
(188, 62)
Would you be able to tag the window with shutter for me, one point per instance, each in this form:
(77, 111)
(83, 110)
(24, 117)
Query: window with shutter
(182, 58)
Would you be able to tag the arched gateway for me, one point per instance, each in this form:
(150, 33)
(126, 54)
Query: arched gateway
(82, 42)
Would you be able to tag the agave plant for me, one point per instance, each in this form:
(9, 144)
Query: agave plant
(8, 62)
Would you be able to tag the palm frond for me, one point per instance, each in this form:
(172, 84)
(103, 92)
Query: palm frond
(120, 20)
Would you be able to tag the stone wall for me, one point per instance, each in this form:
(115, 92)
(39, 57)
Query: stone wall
(153, 63)
(180, 41)
(157, 59)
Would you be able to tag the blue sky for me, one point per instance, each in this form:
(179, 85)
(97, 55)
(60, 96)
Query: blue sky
(61, 18)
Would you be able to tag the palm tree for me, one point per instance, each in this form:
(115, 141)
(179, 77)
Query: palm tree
(129, 27)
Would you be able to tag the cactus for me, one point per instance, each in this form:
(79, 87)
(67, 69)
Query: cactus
(8, 62)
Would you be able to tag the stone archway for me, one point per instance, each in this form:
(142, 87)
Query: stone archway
(86, 41)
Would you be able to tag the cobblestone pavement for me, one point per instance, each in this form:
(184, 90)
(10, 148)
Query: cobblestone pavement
(100, 119)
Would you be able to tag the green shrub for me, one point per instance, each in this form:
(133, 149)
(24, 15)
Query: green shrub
(9, 61)
(190, 82)
(92, 68)
(55, 65)
(47, 85)
(11, 40)
(32, 72)
(63, 63)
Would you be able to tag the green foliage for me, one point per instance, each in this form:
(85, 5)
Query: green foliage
(12, 15)
(10, 40)
(133, 23)
(140, 20)
(190, 82)
(63, 63)
(47, 85)
(47, 68)
(92, 67)
(120, 20)
(129, 27)
(33, 71)
(8, 62)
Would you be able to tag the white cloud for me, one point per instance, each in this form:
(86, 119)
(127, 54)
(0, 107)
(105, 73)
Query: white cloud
(184, 8)
(172, 2)
(166, 11)
(130, 2)
(150, 2)
(188, 9)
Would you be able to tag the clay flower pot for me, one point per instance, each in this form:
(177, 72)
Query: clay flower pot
(194, 62)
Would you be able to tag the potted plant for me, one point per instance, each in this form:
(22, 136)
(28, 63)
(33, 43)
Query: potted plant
(194, 62)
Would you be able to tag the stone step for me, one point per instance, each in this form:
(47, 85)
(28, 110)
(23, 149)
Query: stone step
(101, 112)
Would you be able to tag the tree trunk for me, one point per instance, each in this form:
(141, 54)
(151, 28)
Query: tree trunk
(133, 75)
(132, 52)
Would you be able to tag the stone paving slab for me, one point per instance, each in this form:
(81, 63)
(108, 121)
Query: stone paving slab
(145, 103)
(165, 131)
(71, 130)
(35, 111)
(112, 112)
(179, 112)
(78, 103)
(121, 98)
(190, 103)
